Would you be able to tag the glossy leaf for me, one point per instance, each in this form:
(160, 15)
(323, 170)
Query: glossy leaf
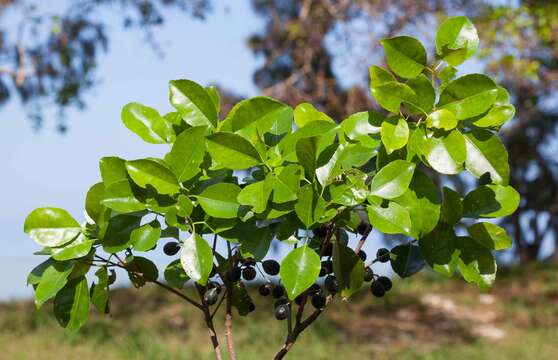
(487, 154)
(175, 274)
(405, 56)
(146, 236)
(305, 113)
(387, 91)
(53, 278)
(392, 180)
(255, 195)
(147, 123)
(348, 269)
(51, 226)
(232, 151)
(446, 153)
(220, 200)
(441, 119)
(196, 258)
(456, 40)
(100, 290)
(119, 229)
(118, 190)
(286, 184)
(491, 201)
(468, 96)
(326, 173)
(489, 235)
(268, 115)
(393, 219)
(187, 153)
(452, 209)
(193, 102)
(496, 116)
(71, 305)
(425, 97)
(75, 249)
(476, 263)
(406, 260)
(438, 246)
(299, 270)
(148, 172)
(310, 206)
(395, 133)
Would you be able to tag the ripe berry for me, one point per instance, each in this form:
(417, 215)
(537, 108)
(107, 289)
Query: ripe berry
(210, 296)
(171, 248)
(320, 231)
(264, 289)
(318, 301)
(386, 282)
(249, 273)
(271, 267)
(281, 312)
(328, 251)
(251, 307)
(377, 289)
(281, 301)
(278, 291)
(382, 255)
(331, 284)
(368, 274)
(362, 228)
(362, 255)
(233, 274)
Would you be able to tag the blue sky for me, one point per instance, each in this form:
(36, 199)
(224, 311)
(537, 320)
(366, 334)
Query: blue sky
(46, 168)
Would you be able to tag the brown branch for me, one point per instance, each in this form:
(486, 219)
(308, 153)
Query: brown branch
(363, 239)
(228, 314)
(210, 327)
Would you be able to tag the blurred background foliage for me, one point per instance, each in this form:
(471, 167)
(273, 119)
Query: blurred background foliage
(319, 51)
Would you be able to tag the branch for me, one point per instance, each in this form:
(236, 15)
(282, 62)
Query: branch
(228, 314)
(210, 326)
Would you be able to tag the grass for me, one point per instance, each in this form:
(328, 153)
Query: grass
(426, 317)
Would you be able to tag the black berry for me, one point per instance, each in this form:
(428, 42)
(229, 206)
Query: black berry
(210, 296)
(233, 274)
(171, 248)
(264, 289)
(362, 255)
(271, 267)
(382, 255)
(281, 312)
(281, 301)
(278, 291)
(249, 273)
(377, 289)
(368, 274)
(331, 284)
(251, 307)
(318, 301)
(386, 282)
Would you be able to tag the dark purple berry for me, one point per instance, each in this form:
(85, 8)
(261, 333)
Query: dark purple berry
(318, 301)
(249, 273)
(368, 274)
(281, 312)
(362, 255)
(278, 291)
(386, 282)
(171, 248)
(331, 284)
(210, 296)
(265, 289)
(271, 267)
(382, 255)
(377, 289)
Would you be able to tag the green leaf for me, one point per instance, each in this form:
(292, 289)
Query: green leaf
(49, 226)
(71, 305)
(361, 126)
(438, 247)
(146, 236)
(387, 91)
(405, 55)
(395, 133)
(52, 280)
(269, 115)
(147, 123)
(422, 201)
(118, 190)
(305, 113)
(476, 263)
(348, 269)
(220, 200)
(441, 119)
(118, 234)
(299, 270)
(307, 154)
(196, 258)
(194, 103)
(254, 241)
(489, 235)
(76, 249)
(187, 153)
(394, 219)
(241, 299)
(326, 173)
(100, 291)
(392, 180)
(142, 270)
(256, 195)
(496, 116)
(425, 97)
(309, 207)
(406, 260)
(215, 97)
(469, 96)
(486, 153)
(175, 274)
(93, 203)
(232, 151)
(446, 152)
(456, 40)
(491, 201)
(286, 183)
(452, 209)
(148, 172)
